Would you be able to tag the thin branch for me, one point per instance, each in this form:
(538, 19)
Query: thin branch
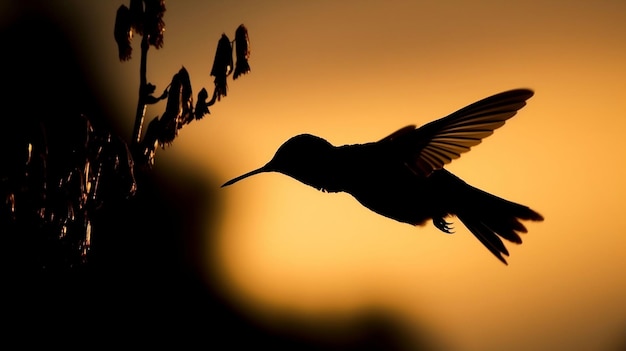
(141, 103)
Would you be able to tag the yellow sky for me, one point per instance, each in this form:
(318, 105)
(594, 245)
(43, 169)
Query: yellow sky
(354, 71)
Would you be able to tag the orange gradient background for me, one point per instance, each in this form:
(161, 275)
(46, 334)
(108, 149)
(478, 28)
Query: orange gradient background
(355, 71)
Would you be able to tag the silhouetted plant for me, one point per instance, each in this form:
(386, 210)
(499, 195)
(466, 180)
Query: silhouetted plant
(49, 200)
(147, 21)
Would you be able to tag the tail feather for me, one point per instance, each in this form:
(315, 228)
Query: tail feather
(489, 217)
(487, 237)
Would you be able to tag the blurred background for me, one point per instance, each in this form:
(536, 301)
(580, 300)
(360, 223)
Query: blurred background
(270, 262)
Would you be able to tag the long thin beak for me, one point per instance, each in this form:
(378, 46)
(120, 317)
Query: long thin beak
(256, 171)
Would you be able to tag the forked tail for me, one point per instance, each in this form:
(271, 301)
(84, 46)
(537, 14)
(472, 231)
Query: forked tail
(489, 217)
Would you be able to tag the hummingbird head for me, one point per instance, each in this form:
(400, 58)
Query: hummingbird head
(302, 157)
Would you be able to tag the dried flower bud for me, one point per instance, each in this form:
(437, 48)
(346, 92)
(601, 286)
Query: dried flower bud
(202, 106)
(242, 51)
(136, 16)
(186, 98)
(153, 25)
(123, 33)
(150, 142)
(222, 65)
(113, 171)
(179, 108)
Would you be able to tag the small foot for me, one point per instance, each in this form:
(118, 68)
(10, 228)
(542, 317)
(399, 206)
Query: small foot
(442, 225)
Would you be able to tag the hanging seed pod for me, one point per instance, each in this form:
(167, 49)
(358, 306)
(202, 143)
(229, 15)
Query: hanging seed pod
(242, 51)
(222, 65)
(123, 33)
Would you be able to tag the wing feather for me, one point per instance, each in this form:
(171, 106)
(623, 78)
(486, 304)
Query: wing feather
(437, 143)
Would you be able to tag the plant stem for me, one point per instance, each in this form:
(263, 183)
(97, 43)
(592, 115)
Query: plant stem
(141, 103)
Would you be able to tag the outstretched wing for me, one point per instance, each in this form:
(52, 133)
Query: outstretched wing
(437, 143)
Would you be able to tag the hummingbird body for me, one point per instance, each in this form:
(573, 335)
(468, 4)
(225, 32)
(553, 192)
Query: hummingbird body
(370, 175)
(402, 177)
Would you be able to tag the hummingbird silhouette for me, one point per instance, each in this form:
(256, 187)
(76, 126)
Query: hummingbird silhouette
(402, 177)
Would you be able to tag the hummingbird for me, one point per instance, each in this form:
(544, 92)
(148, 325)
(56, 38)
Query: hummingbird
(402, 175)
